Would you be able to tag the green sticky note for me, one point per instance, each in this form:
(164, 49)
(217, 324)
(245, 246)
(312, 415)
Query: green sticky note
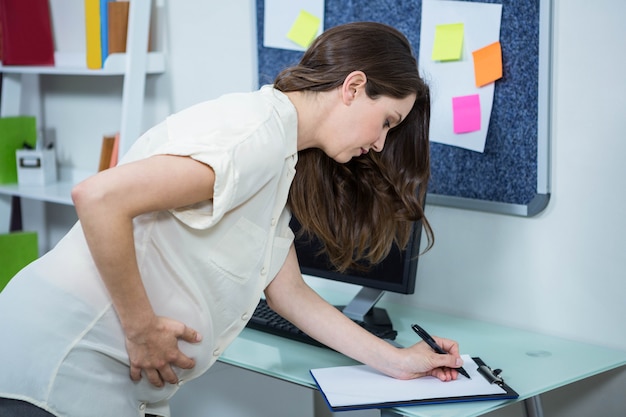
(448, 44)
(304, 29)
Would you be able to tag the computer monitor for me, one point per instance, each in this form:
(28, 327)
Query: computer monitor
(396, 273)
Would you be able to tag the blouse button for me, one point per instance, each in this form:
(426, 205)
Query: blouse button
(216, 352)
(263, 271)
(180, 382)
(245, 316)
(274, 221)
(142, 406)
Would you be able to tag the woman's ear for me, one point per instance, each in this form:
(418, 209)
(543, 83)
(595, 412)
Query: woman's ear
(353, 85)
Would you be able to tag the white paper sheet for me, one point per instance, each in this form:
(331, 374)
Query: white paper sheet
(456, 78)
(346, 386)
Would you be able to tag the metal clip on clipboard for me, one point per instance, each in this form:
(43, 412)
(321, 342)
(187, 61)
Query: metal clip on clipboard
(492, 376)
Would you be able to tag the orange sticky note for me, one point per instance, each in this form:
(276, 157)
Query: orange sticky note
(487, 64)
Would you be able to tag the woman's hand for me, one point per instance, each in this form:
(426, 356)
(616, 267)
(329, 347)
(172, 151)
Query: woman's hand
(154, 350)
(421, 360)
(290, 297)
(106, 204)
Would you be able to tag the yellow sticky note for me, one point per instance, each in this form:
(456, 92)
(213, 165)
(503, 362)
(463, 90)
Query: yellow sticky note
(448, 44)
(304, 29)
(487, 64)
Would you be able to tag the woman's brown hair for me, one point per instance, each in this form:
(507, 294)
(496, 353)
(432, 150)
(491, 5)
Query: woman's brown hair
(360, 208)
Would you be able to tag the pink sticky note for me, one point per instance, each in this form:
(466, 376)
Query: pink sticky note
(466, 113)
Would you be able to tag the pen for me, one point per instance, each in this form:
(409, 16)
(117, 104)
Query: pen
(431, 342)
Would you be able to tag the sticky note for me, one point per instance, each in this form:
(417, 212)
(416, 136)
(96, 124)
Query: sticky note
(448, 44)
(487, 64)
(466, 113)
(304, 29)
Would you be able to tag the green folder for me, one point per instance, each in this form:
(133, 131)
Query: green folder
(15, 132)
(17, 250)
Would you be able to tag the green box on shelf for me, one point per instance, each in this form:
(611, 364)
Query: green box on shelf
(17, 250)
(15, 132)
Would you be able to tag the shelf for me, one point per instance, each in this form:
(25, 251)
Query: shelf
(59, 192)
(75, 64)
(22, 91)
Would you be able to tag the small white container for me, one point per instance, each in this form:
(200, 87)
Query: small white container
(36, 167)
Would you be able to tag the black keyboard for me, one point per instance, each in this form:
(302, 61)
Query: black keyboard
(267, 320)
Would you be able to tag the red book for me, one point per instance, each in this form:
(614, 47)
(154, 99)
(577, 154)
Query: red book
(115, 152)
(26, 32)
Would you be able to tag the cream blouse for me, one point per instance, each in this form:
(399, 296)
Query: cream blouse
(205, 265)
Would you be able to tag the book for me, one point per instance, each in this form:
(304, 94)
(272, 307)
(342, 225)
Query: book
(116, 151)
(92, 34)
(106, 151)
(361, 387)
(104, 28)
(118, 26)
(0, 39)
(109, 151)
(27, 37)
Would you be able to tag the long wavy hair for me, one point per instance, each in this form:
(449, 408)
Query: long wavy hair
(359, 209)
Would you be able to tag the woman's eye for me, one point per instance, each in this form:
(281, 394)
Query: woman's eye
(387, 124)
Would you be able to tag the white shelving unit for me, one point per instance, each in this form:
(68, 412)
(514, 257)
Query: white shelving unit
(21, 84)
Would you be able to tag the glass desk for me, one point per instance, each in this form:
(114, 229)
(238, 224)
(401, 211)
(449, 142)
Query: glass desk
(531, 363)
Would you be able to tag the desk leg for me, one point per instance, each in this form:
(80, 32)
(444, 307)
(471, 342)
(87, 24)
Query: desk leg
(320, 408)
(533, 406)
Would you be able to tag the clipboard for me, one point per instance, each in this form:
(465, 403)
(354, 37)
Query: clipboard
(361, 387)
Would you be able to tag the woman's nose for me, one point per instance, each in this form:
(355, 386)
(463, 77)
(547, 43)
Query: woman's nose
(380, 143)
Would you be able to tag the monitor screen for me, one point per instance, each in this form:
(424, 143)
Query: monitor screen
(396, 273)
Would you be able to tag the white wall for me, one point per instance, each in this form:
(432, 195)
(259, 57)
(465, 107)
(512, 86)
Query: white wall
(561, 272)
(211, 49)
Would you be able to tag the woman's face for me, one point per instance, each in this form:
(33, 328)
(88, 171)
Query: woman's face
(363, 125)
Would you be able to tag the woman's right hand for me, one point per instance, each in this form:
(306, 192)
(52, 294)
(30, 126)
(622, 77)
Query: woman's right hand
(153, 350)
(106, 204)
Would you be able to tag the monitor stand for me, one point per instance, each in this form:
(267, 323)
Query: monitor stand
(362, 308)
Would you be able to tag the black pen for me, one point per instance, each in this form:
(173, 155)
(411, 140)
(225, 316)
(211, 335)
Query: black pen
(431, 342)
